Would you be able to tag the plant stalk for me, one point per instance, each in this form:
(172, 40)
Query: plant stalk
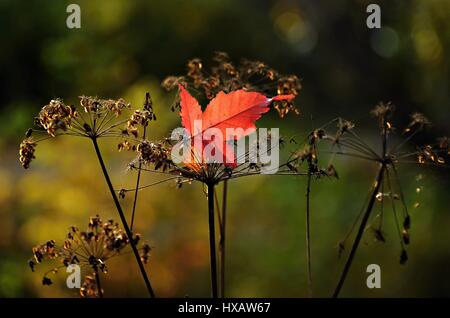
(99, 285)
(308, 235)
(361, 229)
(222, 238)
(212, 240)
(123, 219)
(137, 186)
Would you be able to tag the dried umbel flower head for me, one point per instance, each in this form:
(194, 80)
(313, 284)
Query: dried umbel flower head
(226, 76)
(287, 85)
(384, 111)
(97, 118)
(90, 249)
(26, 152)
(56, 116)
(138, 118)
(418, 121)
(387, 190)
(431, 154)
(155, 154)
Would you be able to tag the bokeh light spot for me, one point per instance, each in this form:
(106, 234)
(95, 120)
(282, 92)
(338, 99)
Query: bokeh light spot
(385, 42)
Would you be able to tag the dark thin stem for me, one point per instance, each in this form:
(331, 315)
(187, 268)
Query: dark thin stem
(308, 235)
(97, 279)
(222, 238)
(360, 232)
(123, 219)
(137, 186)
(212, 240)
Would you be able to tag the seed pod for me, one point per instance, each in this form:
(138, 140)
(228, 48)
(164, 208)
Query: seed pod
(407, 223)
(403, 257)
(405, 237)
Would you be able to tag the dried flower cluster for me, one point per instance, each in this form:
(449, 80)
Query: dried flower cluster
(89, 288)
(248, 75)
(56, 116)
(26, 152)
(97, 118)
(90, 249)
(97, 106)
(155, 154)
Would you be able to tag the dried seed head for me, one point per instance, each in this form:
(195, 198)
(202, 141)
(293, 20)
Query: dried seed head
(379, 236)
(344, 126)
(384, 111)
(115, 106)
(126, 145)
(91, 248)
(89, 288)
(145, 253)
(46, 281)
(26, 152)
(407, 222)
(331, 171)
(90, 104)
(418, 121)
(171, 82)
(405, 237)
(287, 85)
(56, 116)
(154, 154)
(248, 75)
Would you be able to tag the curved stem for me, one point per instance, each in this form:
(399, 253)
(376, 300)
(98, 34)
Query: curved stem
(360, 232)
(123, 219)
(212, 240)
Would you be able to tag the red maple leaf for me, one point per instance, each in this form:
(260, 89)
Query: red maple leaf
(237, 109)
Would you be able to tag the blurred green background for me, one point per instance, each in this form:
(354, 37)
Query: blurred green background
(125, 48)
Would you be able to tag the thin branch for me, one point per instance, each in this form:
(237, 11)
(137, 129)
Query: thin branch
(123, 219)
(360, 232)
